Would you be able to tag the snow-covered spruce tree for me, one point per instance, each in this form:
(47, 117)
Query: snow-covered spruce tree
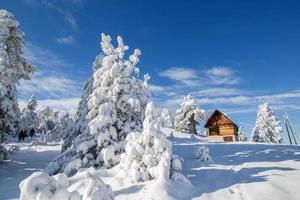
(148, 155)
(48, 125)
(29, 115)
(13, 67)
(267, 127)
(116, 107)
(66, 123)
(241, 134)
(167, 119)
(188, 116)
(81, 123)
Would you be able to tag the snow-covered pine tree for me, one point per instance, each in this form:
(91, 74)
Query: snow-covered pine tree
(66, 122)
(29, 115)
(167, 119)
(13, 67)
(267, 127)
(81, 123)
(148, 155)
(48, 124)
(188, 116)
(116, 107)
(241, 134)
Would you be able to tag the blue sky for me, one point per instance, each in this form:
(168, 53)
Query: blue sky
(230, 55)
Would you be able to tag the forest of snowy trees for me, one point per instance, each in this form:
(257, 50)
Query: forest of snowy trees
(116, 123)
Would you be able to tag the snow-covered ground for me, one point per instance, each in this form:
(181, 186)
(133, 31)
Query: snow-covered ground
(238, 171)
(30, 158)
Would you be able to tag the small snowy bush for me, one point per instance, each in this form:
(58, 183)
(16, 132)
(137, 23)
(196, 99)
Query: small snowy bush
(148, 155)
(202, 153)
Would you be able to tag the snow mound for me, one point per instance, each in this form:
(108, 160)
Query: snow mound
(41, 186)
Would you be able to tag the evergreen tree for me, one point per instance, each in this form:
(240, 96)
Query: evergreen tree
(241, 134)
(13, 67)
(267, 128)
(116, 107)
(29, 115)
(188, 115)
(167, 119)
(81, 123)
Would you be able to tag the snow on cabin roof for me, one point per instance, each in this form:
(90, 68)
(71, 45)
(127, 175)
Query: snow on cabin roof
(218, 112)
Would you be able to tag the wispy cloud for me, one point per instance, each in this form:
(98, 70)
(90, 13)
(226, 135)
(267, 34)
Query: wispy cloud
(44, 57)
(62, 7)
(218, 87)
(65, 39)
(50, 86)
(195, 78)
(222, 75)
(62, 105)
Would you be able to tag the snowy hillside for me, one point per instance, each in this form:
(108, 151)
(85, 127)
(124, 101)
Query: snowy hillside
(237, 171)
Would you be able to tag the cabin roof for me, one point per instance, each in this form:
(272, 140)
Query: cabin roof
(215, 113)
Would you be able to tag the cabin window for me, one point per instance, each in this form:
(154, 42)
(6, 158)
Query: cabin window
(228, 139)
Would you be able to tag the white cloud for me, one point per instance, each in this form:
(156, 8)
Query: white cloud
(62, 105)
(50, 86)
(221, 75)
(195, 78)
(65, 39)
(179, 74)
(42, 57)
(218, 91)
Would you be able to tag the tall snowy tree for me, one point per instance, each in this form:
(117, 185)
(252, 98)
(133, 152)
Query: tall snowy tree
(267, 127)
(116, 107)
(13, 67)
(188, 116)
(29, 115)
(81, 123)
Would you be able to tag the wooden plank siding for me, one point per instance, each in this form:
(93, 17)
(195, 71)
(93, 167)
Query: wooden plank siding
(221, 128)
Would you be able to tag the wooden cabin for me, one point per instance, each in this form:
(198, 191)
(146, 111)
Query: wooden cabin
(221, 128)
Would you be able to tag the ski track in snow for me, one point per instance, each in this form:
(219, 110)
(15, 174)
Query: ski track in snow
(30, 158)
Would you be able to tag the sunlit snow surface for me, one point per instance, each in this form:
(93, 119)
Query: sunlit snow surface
(237, 171)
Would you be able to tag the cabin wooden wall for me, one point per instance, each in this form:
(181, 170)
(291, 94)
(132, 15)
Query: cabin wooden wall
(227, 130)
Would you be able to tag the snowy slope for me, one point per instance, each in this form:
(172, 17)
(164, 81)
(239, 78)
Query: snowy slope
(242, 171)
(30, 158)
(238, 171)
